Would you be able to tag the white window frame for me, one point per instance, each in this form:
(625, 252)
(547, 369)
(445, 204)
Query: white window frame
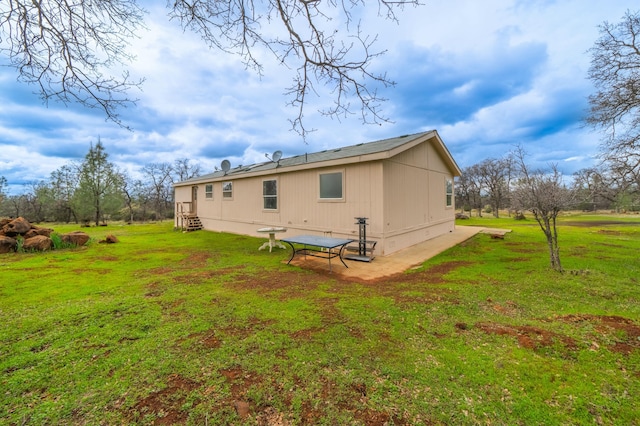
(227, 190)
(448, 192)
(208, 191)
(265, 196)
(331, 172)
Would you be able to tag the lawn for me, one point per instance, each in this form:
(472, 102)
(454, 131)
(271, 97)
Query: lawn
(202, 328)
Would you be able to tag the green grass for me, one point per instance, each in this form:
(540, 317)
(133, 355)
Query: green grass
(172, 328)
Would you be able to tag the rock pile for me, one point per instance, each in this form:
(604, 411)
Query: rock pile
(35, 238)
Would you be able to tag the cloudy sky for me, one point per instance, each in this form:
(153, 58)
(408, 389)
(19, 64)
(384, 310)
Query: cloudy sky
(487, 75)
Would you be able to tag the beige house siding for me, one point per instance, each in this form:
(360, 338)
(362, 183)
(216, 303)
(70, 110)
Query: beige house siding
(401, 193)
(415, 180)
(299, 205)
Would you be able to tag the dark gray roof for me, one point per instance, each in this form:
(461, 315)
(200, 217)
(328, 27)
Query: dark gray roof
(316, 157)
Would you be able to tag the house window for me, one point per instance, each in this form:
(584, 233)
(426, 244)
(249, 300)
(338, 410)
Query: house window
(227, 190)
(208, 191)
(270, 194)
(331, 186)
(449, 192)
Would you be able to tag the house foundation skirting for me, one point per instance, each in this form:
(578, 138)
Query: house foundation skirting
(396, 241)
(387, 243)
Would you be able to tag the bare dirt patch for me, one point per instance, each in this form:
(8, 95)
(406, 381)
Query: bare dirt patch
(401, 287)
(434, 275)
(195, 277)
(208, 339)
(170, 308)
(240, 382)
(622, 334)
(166, 405)
(406, 288)
(508, 308)
(153, 290)
(306, 333)
(163, 270)
(241, 331)
(530, 337)
(196, 260)
(288, 284)
(618, 334)
(352, 399)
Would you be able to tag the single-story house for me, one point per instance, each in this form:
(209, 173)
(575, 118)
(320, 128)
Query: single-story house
(402, 185)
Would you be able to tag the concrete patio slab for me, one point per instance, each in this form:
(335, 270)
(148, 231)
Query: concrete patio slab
(384, 266)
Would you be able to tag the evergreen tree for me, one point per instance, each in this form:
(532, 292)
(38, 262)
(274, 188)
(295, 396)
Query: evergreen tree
(99, 189)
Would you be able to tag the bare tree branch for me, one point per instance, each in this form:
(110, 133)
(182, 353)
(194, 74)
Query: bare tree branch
(615, 107)
(69, 48)
(543, 194)
(302, 35)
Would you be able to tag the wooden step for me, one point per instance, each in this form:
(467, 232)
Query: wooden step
(192, 223)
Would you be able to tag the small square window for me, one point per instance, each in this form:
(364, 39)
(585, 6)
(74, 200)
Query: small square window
(331, 186)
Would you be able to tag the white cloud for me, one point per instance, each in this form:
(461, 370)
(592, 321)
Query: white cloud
(486, 74)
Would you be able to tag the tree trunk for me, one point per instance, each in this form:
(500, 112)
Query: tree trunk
(97, 211)
(556, 249)
(548, 225)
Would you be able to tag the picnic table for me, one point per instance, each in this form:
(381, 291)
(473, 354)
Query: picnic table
(314, 245)
(272, 238)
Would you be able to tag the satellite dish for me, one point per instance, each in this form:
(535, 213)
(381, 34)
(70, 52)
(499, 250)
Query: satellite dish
(275, 157)
(225, 166)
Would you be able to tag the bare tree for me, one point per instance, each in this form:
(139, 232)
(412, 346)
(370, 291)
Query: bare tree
(495, 176)
(469, 189)
(615, 107)
(597, 187)
(463, 192)
(183, 169)
(159, 189)
(545, 195)
(70, 49)
(625, 173)
(128, 192)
